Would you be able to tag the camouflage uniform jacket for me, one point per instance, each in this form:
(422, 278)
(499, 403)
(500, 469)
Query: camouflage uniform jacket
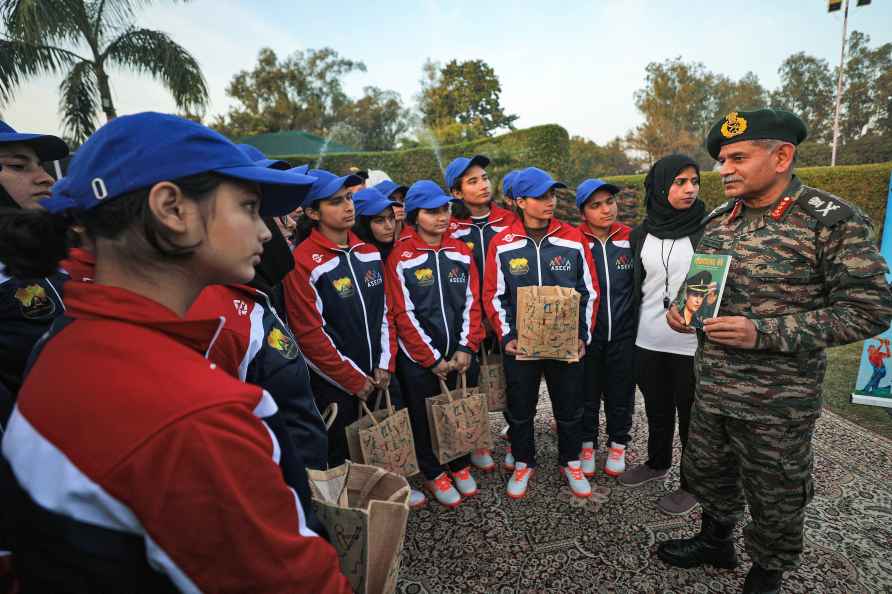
(809, 276)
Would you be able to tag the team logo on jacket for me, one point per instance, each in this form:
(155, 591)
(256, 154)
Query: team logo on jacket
(241, 308)
(470, 245)
(34, 302)
(317, 258)
(344, 286)
(518, 266)
(457, 275)
(373, 278)
(424, 276)
(560, 264)
(282, 343)
(624, 262)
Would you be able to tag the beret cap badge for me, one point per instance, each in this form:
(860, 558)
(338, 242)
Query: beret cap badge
(734, 125)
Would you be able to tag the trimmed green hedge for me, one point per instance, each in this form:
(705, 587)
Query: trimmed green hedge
(546, 146)
(864, 185)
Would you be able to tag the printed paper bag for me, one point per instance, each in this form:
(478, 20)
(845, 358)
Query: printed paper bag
(364, 509)
(547, 323)
(387, 441)
(492, 381)
(354, 448)
(459, 422)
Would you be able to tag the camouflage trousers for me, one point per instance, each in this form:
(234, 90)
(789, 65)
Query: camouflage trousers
(730, 462)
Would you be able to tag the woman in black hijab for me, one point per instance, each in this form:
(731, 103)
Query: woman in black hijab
(663, 245)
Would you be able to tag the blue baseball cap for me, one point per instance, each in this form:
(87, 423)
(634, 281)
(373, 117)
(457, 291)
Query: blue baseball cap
(388, 187)
(425, 194)
(301, 169)
(370, 202)
(507, 181)
(533, 182)
(327, 184)
(47, 147)
(589, 187)
(457, 167)
(133, 152)
(256, 155)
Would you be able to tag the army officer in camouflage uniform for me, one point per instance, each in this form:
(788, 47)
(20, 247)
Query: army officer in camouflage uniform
(805, 275)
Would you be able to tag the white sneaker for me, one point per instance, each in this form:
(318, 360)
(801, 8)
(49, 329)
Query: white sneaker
(464, 482)
(520, 479)
(443, 491)
(587, 458)
(482, 459)
(579, 485)
(417, 499)
(616, 460)
(508, 463)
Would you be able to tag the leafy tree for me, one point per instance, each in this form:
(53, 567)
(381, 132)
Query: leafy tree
(302, 92)
(808, 88)
(461, 100)
(681, 100)
(861, 100)
(378, 118)
(588, 159)
(82, 39)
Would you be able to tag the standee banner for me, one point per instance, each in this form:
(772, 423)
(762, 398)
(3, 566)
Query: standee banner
(873, 386)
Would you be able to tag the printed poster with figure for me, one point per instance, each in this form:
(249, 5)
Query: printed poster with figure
(701, 294)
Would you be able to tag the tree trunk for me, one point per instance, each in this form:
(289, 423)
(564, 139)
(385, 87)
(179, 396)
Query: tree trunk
(108, 105)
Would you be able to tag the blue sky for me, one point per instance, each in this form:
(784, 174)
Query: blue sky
(577, 64)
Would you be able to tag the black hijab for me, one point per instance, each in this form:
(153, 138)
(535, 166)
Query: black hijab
(663, 220)
(275, 262)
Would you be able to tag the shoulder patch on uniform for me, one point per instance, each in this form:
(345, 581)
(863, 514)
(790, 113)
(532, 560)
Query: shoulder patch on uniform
(719, 210)
(827, 208)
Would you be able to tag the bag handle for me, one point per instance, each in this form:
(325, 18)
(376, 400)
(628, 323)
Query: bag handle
(386, 393)
(365, 408)
(464, 385)
(483, 355)
(445, 389)
(330, 414)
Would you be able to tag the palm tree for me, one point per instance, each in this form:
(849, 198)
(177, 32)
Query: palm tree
(81, 39)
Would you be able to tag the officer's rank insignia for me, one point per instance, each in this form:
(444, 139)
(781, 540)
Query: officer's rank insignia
(734, 125)
(781, 207)
(827, 209)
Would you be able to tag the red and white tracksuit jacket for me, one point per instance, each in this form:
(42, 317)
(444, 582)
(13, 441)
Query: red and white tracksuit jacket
(561, 258)
(433, 294)
(149, 443)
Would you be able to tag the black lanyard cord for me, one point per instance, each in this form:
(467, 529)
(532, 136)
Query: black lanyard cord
(665, 264)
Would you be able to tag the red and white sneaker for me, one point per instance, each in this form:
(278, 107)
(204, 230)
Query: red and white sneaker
(465, 483)
(417, 499)
(587, 458)
(443, 491)
(508, 463)
(519, 481)
(579, 485)
(616, 460)
(482, 460)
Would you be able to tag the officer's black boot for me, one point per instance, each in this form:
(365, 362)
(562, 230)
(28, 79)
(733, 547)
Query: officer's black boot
(763, 581)
(713, 546)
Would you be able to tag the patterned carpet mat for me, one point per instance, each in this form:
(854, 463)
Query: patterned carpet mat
(550, 541)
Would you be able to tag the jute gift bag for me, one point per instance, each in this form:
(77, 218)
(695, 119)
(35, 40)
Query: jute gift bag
(383, 438)
(365, 509)
(492, 381)
(547, 323)
(458, 420)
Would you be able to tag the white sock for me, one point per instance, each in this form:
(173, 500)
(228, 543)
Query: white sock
(588, 444)
(621, 446)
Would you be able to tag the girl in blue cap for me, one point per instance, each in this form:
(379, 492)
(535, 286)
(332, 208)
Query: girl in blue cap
(475, 221)
(153, 471)
(336, 306)
(433, 291)
(27, 305)
(376, 219)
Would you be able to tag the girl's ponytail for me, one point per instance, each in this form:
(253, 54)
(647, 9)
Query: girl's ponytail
(32, 242)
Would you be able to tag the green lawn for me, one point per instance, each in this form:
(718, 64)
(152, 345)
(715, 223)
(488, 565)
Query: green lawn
(842, 367)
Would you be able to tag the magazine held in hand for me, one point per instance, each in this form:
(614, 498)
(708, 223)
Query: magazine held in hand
(701, 293)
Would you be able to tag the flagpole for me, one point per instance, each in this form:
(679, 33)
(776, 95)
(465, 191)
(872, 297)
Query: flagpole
(842, 61)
